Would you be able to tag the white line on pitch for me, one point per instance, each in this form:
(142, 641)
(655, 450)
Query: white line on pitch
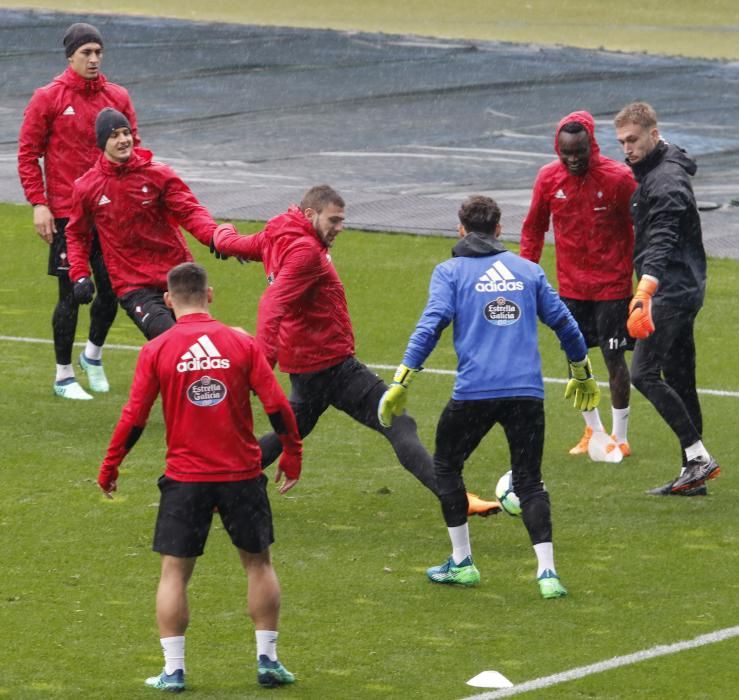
(615, 662)
(445, 372)
(558, 380)
(45, 341)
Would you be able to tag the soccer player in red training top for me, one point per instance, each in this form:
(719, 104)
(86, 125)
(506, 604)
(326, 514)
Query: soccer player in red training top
(137, 206)
(303, 322)
(205, 372)
(59, 127)
(586, 196)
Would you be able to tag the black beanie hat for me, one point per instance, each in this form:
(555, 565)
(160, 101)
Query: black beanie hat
(79, 34)
(108, 120)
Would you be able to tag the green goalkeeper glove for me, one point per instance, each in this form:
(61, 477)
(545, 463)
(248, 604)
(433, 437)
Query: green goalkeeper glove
(582, 386)
(392, 403)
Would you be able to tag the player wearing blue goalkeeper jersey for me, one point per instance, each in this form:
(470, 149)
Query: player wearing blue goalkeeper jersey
(494, 299)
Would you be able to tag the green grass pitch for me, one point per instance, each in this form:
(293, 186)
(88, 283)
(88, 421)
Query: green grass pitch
(356, 534)
(77, 578)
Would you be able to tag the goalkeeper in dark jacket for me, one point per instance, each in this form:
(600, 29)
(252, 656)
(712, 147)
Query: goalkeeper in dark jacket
(495, 299)
(670, 264)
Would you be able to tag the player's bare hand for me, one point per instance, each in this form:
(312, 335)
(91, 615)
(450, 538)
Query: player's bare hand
(43, 222)
(287, 484)
(112, 486)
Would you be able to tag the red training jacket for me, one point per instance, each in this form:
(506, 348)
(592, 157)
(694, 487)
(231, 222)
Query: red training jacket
(59, 126)
(590, 213)
(303, 319)
(137, 208)
(204, 371)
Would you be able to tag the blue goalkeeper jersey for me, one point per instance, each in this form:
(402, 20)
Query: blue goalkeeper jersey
(494, 298)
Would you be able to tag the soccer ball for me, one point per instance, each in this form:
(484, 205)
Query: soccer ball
(504, 493)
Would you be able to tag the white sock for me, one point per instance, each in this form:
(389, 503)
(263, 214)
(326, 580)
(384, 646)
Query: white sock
(64, 372)
(545, 558)
(174, 653)
(620, 423)
(697, 450)
(266, 644)
(460, 537)
(592, 420)
(93, 352)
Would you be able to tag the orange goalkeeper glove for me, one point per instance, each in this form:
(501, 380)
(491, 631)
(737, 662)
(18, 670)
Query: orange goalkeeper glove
(640, 324)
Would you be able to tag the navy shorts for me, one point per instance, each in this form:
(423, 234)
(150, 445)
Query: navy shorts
(186, 512)
(603, 323)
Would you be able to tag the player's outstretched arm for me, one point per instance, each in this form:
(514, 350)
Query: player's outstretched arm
(227, 241)
(392, 402)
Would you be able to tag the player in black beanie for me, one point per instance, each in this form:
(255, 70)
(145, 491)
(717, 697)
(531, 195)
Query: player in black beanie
(79, 34)
(57, 144)
(108, 120)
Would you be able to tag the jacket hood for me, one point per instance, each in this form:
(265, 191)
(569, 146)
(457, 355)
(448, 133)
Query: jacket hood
(675, 154)
(139, 158)
(586, 119)
(477, 245)
(292, 223)
(76, 82)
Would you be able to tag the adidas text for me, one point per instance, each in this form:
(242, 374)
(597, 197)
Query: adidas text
(203, 363)
(501, 286)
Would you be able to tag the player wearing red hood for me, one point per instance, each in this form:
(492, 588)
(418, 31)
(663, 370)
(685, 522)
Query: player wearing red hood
(586, 197)
(303, 324)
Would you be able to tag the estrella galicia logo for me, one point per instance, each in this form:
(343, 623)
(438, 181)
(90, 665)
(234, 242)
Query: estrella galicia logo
(206, 391)
(502, 312)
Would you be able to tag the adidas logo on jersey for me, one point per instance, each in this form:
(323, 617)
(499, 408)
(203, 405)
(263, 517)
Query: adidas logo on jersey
(560, 195)
(498, 278)
(202, 355)
(103, 200)
(69, 112)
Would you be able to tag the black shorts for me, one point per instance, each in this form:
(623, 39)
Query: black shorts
(603, 323)
(349, 386)
(146, 308)
(58, 265)
(344, 386)
(186, 511)
(463, 424)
